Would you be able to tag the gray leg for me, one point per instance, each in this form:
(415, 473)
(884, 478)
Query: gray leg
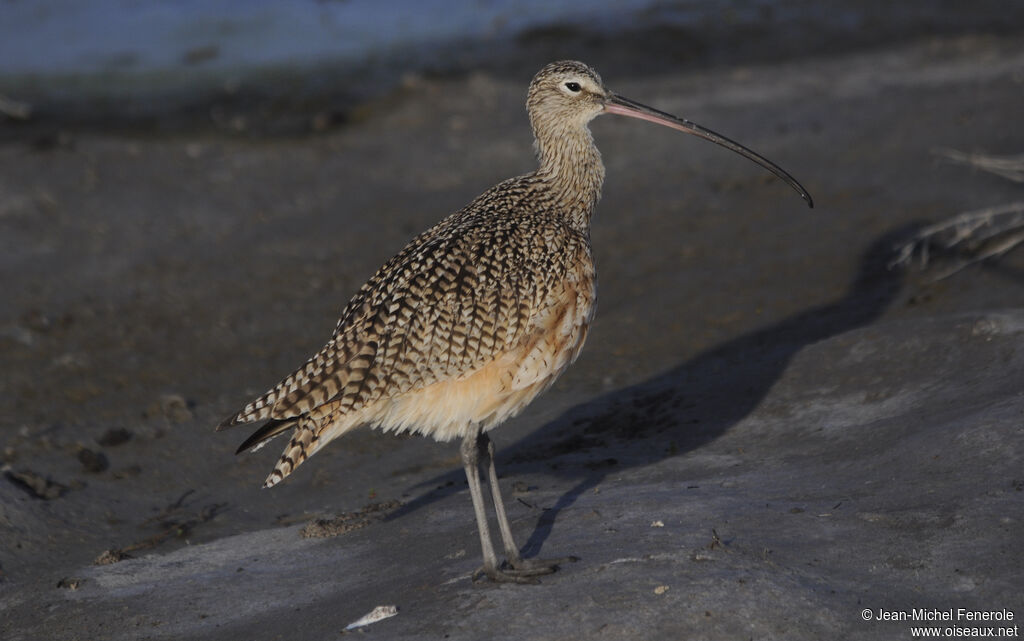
(470, 450)
(511, 549)
(521, 567)
(471, 463)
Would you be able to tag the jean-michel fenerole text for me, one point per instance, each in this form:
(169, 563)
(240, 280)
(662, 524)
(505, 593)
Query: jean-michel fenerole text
(949, 614)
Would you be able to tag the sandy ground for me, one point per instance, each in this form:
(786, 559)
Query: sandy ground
(768, 432)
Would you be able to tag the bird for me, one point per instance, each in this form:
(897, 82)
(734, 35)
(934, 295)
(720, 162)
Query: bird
(476, 316)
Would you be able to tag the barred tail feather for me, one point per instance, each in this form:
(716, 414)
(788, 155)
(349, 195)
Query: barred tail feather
(301, 446)
(279, 402)
(312, 431)
(255, 411)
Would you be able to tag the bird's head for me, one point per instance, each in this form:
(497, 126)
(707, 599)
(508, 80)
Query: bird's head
(566, 95)
(566, 92)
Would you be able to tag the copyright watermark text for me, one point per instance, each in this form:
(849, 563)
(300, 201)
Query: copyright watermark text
(935, 623)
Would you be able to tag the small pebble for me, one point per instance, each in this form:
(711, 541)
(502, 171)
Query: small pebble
(111, 556)
(70, 583)
(94, 462)
(114, 436)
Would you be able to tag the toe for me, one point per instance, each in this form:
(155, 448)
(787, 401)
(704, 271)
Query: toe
(535, 564)
(505, 575)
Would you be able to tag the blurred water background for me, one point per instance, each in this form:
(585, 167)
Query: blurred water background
(167, 62)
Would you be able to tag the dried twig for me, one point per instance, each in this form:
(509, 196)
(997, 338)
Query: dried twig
(973, 236)
(170, 509)
(173, 522)
(969, 238)
(1010, 167)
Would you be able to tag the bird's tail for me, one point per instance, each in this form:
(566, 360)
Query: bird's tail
(304, 442)
(262, 436)
(312, 431)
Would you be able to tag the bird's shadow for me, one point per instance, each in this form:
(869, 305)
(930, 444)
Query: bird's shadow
(685, 407)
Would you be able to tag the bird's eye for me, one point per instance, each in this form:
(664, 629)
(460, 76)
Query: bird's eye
(573, 86)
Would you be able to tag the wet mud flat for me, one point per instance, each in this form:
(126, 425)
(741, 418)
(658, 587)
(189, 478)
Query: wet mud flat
(768, 433)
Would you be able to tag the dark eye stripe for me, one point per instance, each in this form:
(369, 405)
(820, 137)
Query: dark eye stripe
(572, 86)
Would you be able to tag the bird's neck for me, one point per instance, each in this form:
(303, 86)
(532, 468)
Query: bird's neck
(571, 166)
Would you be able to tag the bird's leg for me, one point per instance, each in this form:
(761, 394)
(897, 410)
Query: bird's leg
(470, 452)
(520, 566)
(511, 549)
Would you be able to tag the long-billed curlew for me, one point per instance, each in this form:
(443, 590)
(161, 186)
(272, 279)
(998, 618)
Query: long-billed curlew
(477, 315)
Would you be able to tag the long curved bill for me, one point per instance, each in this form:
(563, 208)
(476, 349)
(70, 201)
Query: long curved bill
(622, 106)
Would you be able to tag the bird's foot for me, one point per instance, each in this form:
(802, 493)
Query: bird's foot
(522, 570)
(540, 566)
(506, 574)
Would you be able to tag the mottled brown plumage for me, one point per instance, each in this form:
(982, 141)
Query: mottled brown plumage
(474, 317)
